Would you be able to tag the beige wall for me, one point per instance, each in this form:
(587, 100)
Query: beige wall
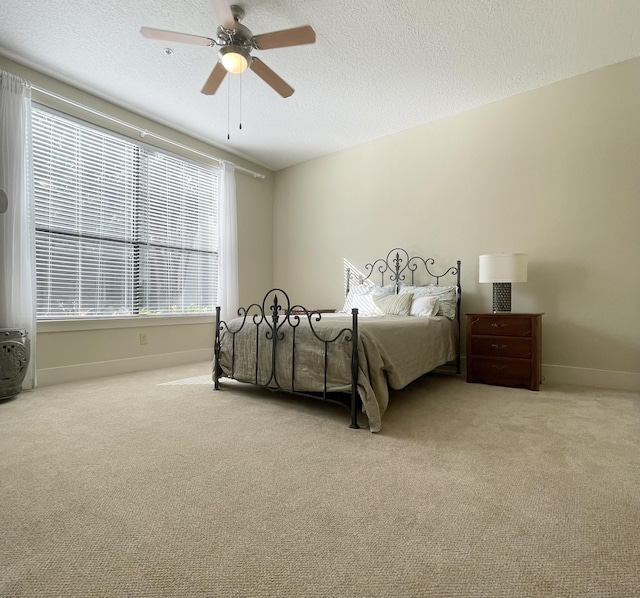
(75, 350)
(554, 173)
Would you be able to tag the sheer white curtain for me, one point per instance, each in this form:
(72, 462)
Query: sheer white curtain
(228, 298)
(17, 229)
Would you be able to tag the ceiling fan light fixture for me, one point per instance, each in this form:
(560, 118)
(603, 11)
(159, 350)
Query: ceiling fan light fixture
(234, 58)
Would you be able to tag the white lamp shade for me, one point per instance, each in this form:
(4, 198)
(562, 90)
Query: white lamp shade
(503, 267)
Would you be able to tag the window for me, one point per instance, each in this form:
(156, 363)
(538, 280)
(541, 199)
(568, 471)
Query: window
(122, 229)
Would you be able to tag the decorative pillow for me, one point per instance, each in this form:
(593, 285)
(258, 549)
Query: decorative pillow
(448, 299)
(361, 296)
(415, 291)
(394, 305)
(447, 295)
(424, 306)
(368, 289)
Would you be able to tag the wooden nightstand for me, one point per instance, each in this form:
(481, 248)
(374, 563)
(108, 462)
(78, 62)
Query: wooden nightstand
(504, 349)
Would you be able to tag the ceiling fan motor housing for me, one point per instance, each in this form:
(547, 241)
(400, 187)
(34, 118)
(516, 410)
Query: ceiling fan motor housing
(240, 36)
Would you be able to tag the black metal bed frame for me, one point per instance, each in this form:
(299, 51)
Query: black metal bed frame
(275, 314)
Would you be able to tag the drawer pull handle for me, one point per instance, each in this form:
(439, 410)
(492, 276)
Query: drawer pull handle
(500, 367)
(494, 346)
(498, 325)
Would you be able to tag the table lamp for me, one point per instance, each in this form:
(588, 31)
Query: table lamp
(502, 269)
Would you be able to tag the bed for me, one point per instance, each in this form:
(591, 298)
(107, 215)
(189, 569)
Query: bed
(389, 332)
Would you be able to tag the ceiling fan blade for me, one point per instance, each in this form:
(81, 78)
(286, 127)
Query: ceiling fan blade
(174, 36)
(270, 78)
(286, 37)
(224, 16)
(215, 78)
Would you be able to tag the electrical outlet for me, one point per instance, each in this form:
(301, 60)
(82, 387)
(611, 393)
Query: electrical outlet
(143, 338)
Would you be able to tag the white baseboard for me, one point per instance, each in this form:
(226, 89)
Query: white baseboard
(85, 371)
(562, 374)
(556, 374)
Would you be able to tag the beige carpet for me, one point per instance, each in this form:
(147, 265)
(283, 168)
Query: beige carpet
(128, 486)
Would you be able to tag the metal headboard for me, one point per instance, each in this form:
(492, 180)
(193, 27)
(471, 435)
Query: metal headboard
(398, 268)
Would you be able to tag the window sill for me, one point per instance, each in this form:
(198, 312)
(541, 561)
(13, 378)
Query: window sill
(118, 323)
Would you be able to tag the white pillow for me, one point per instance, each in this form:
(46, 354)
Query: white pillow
(448, 296)
(425, 306)
(415, 291)
(361, 296)
(394, 305)
(368, 289)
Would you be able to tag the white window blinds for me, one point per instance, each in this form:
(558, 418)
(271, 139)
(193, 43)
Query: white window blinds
(121, 229)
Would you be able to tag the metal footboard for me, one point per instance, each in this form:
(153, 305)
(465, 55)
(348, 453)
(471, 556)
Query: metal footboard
(276, 323)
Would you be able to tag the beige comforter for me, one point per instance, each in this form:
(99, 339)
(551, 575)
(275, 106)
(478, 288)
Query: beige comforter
(393, 351)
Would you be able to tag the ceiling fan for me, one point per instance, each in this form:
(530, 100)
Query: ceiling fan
(235, 42)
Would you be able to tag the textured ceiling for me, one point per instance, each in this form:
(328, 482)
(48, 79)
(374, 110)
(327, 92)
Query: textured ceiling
(378, 67)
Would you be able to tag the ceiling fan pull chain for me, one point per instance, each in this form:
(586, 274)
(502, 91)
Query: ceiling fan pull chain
(228, 107)
(240, 117)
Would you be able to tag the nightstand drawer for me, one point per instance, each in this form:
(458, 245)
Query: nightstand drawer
(510, 372)
(505, 346)
(496, 325)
